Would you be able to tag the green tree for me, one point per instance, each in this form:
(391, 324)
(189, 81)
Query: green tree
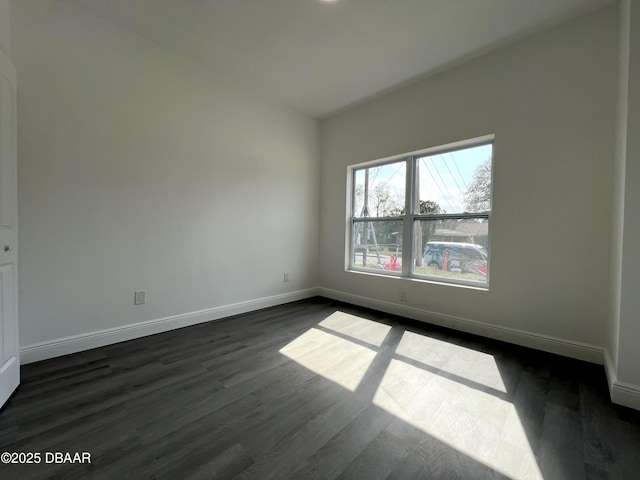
(429, 206)
(426, 207)
(477, 197)
(381, 202)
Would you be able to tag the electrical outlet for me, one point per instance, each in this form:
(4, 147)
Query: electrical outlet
(286, 278)
(403, 296)
(139, 297)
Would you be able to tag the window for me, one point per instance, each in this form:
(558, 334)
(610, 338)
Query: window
(424, 215)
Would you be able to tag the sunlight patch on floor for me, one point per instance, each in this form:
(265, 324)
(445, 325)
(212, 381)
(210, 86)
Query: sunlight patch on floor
(452, 359)
(358, 328)
(335, 358)
(474, 422)
(451, 393)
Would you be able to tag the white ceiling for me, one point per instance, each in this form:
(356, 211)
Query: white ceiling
(322, 56)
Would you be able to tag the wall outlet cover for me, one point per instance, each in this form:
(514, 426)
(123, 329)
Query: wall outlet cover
(139, 297)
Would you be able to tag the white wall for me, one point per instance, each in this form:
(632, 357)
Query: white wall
(139, 170)
(5, 26)
(630, 305)
(550, 101)
(624, 328)
(620, 152)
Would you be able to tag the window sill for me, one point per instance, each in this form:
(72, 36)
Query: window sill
(421, 279)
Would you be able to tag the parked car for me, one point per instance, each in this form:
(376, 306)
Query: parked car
(461, 257)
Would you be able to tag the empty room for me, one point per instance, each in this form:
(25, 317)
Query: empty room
(319, 239)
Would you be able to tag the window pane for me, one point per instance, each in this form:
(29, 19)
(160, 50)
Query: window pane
(453, 249)
(455, 182)
(379, 191)
(377, 245)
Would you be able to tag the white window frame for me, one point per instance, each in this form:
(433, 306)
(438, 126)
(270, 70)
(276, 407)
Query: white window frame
(410, 217)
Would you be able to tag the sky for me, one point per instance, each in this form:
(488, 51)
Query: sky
(443, 178)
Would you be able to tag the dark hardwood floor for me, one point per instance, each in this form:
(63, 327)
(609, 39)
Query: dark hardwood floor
(319, 390)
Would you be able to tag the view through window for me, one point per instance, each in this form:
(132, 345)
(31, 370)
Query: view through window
(425, 215)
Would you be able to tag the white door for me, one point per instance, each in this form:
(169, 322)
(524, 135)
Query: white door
(9, 345)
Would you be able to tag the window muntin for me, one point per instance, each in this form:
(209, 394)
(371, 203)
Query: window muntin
(442, 232)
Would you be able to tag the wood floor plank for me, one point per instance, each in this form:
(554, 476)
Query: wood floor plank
(379, 459)
(319, 389)
(331, 459)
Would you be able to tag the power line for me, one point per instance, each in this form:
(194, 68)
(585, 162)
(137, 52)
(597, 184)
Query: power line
(457, 168)
(377, 170)
(437, 184)
(451, 173)
(435, 167)
(393, 175)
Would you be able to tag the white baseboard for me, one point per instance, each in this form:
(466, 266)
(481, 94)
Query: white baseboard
(100, 338)
(609, 370)
(567, 348)
(625, 394)
(622, 393)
